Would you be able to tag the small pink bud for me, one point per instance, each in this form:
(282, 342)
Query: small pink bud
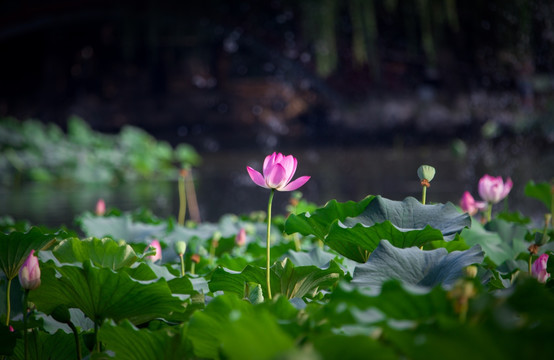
(29, 274)
(538, 269)
(100, 207)
(240, 239)
(11, 329)
(469, 205)
(156, 246)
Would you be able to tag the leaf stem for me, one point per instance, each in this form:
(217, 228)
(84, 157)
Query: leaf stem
(25, 318)
(8, 306)
(182, 200)
(77, 342)
(268, 242)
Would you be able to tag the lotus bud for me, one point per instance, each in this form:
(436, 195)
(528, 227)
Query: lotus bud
(156, 246)
(538, 269)
(240, 239)
(29, 274)
(100, 207)
(195, 258)
(180, 247)
(11, 329)
(426, 173)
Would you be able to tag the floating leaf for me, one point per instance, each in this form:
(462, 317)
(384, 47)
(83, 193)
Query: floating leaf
(414, 266)
(16, 246)
(102, 293)
(403, 223)
(316, 256)
(102, 252)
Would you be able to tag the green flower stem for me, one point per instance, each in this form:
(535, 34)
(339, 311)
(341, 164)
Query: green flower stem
(488, 213)
(96, 336)
(8, 307)
(423, 194)
(530, 266)
(77, 342)
(192, 267)
(182, 201)
(182, 264)
(269, 242)
(25, 317)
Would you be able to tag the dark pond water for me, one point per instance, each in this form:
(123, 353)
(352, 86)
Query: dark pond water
(342, 173)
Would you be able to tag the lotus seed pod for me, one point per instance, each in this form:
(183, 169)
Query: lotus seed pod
(426, 172)
(61, 314)
(470, 271)
(180, 247)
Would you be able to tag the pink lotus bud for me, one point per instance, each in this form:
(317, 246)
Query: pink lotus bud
(156, 246)
(100, 207)
(240, 239)
(493, 189)
(29, 274)
(469, 205)
(538, 269)
(278, 171)
(11, 329)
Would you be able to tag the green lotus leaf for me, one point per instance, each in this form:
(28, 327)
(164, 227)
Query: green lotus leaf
(286, 279)
(16, 246)
(42, 345)
(320, 221)
(541, 191)
(233, 328)
(120, 227)
(131, 343)
(403, 223)
(500, 240)
(414, 266)
(316, 256)
(102, 293)
(351, 347)
(102, 252)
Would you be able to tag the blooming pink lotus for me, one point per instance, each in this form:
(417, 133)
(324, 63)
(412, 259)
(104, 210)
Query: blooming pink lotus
(29, 274)
(156, 245)
(278, 171)
(538, 269)
(469, 205)
(493, 189)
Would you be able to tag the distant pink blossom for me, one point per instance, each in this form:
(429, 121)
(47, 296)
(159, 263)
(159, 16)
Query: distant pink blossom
(11, 329)
(469, 205)
(29, 273)
(493, 189)
(278, 171)
(539, 268)
(100, 207)
(240, 239)
(158, 255)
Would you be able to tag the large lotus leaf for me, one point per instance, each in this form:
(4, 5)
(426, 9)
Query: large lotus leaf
(103, 293)
(404, 223)
(541, 191)
(121, 227)
(102, 252)
(237, 329)
(500, 240)
(16, 246)
(414, 266)
(345, 347)
(286, 279)
(316, 256)
(320, 221)
(49, 346)
(130, 343)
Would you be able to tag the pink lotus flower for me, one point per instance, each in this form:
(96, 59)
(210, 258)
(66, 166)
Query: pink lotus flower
(240, 239)
(11, 329)
(156, 245)
(493, 189)
(278, 171)
(538, 269)
(100, 207)
(29, 274)
(469, 205)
